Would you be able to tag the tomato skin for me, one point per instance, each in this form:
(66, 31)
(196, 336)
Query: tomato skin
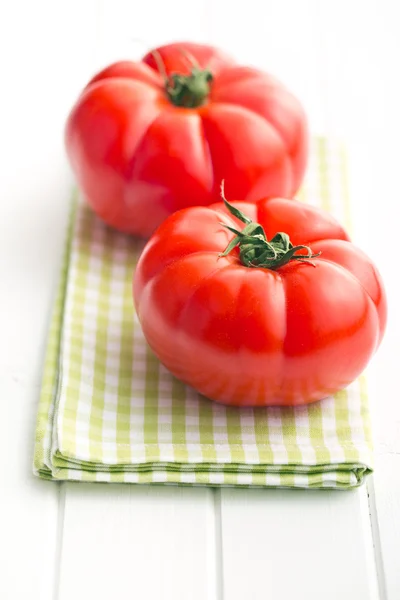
(138, 157)
(254, 336)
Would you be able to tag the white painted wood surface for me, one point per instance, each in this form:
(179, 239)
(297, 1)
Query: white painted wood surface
(80, 541)
(301, 545)
(146, 542)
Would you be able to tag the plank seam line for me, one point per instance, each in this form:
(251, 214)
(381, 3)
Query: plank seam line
(59, 540)
(376, 540)
(219, 559)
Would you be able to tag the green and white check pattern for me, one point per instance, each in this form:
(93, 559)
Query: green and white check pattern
(109, 411)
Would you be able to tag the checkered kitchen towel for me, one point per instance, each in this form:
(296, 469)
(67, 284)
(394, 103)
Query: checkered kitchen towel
(109, 411)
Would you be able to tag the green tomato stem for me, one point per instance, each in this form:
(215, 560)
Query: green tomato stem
(255, 250)
(189, 91)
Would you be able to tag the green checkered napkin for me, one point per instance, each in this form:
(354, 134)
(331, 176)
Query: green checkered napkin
(109, 411)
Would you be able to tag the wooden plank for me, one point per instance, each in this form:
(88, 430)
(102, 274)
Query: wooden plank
(28, 508)
(362, 98)
(278, 543)
(145, 541)
(374, 171)
(158, 542)
(41, 71)
(298, 544)
(385, 511)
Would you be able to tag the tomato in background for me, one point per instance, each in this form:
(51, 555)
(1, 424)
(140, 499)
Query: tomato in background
(148, 138)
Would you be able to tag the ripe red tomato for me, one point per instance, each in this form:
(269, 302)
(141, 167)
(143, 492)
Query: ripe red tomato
(144, 143)
(265, 322)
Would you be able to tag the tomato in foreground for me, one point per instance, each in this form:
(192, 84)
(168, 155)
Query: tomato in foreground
(148, 138)
(276, 308)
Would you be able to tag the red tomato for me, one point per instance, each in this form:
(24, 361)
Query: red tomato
(144, 144)
(268, 333)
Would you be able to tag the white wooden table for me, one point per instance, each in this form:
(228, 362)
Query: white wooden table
(79, 541)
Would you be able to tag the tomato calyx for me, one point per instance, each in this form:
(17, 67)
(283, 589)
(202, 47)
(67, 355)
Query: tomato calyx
(255, 250)
(189, 91)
